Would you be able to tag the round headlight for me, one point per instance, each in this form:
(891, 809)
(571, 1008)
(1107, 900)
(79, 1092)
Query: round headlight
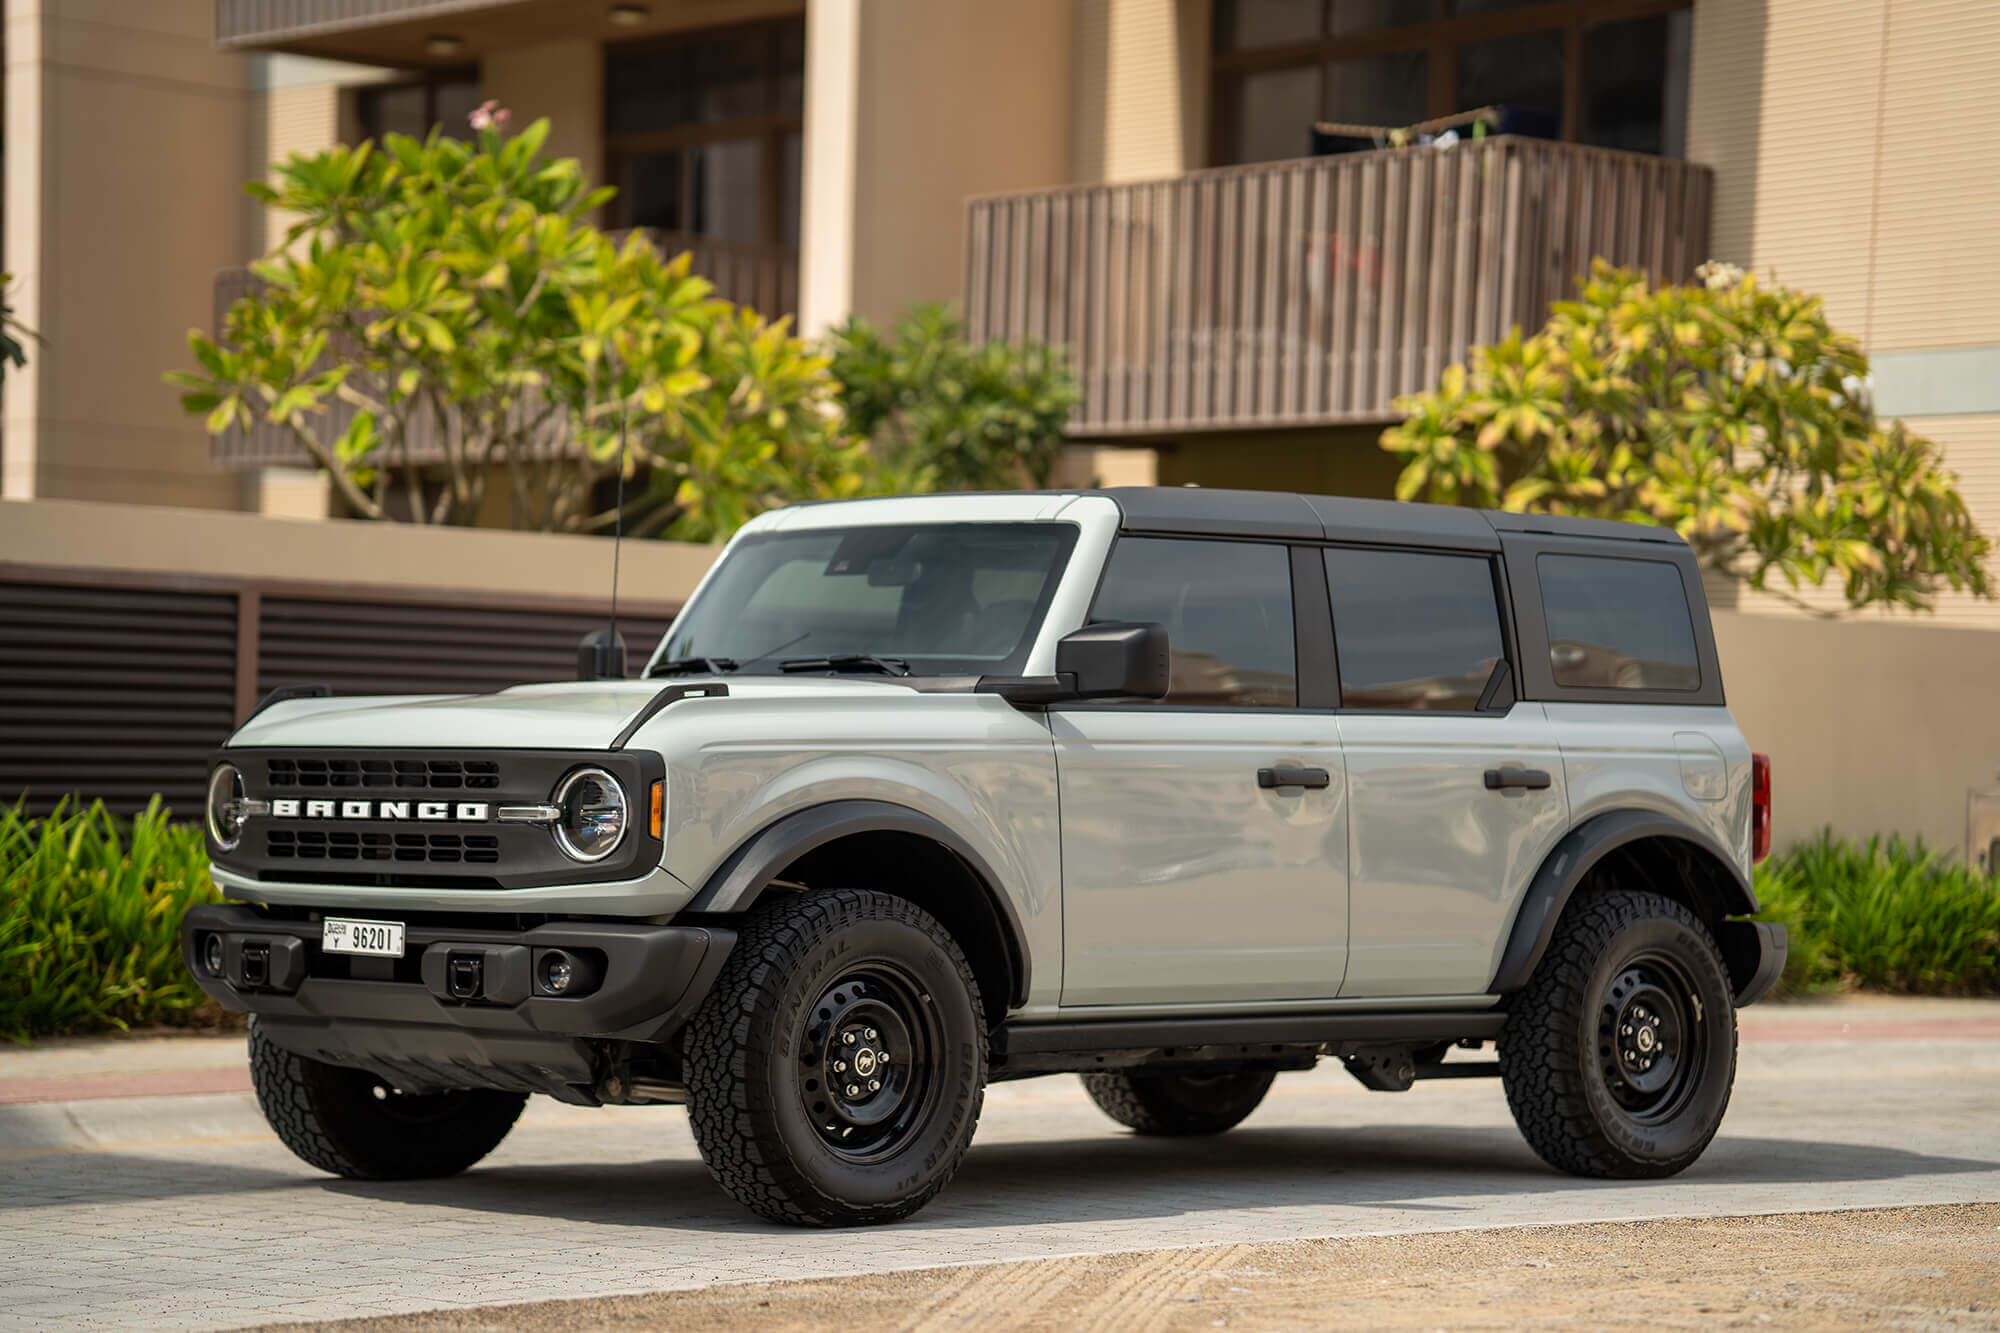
(593, 814)
(228, 810)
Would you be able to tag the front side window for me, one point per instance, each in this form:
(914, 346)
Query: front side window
(1617, 624)
(1414, 629)
(940, 599)
(1227, 609)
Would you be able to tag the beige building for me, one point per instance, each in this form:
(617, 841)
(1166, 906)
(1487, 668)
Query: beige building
(1127, 177)
(1139, 180)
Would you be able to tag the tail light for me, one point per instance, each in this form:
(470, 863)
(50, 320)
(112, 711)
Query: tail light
(1760, 807)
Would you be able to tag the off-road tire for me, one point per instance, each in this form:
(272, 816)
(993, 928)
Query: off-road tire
(757, 1040)
(1178, 1104)
(350, 1123)
(1561, 1075)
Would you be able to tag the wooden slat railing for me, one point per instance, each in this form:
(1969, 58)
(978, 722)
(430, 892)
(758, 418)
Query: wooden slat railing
(765, 278)
(1315, 291)
(253, 23)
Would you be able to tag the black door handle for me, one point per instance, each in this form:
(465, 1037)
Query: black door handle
(1287, 776)
(1534, 779)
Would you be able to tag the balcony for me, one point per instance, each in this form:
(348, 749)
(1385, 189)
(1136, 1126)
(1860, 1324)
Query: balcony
(766, 278)
(303, 25)
(1314, 292)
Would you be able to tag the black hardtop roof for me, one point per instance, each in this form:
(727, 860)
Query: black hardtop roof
(1200, 511)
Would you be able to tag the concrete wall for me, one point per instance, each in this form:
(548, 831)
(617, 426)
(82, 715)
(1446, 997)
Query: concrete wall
(1871, 727)
(951, 99)
(125, 159)
(81, 535)
(1849, 162)
(561, 80)
(1132, 89)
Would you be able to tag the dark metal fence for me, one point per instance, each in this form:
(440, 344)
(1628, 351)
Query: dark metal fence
(118, 686)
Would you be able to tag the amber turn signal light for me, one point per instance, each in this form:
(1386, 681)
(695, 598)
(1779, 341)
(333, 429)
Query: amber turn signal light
(656, 819)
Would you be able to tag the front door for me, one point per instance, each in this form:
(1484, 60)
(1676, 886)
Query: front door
(1204, 836)
(1455, 791)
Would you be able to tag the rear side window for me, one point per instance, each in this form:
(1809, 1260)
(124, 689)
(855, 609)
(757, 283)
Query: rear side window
(1227, 608)
(1413, 629)
(1618, 624)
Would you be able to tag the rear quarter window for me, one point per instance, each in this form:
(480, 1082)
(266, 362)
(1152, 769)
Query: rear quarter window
(1617, 624)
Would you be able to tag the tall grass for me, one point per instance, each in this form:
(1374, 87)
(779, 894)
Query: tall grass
(90, 910)
(1886, 915)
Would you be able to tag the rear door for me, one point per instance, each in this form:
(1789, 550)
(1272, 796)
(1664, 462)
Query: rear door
(1204, 836)
(1455, 788)
(1615, 636)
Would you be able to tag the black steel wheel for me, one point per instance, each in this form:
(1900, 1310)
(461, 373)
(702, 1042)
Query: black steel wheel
(352, 1123)
(836, 1071)
(1619, 1055)
(868, 1068)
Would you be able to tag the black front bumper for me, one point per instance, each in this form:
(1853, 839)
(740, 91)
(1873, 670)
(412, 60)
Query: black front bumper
(407, 1022)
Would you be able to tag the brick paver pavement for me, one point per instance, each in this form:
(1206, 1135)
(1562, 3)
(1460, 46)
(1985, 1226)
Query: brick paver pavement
(181, 1210)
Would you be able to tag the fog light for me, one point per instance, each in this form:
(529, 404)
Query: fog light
(558, 972)
(568, 973)
(211, 954)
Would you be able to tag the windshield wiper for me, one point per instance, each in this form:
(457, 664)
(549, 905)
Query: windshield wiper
(887, 666)
(680, 666)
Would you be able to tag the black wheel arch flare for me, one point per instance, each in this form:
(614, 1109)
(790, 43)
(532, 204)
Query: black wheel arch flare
(1718, 890)
(743, 878)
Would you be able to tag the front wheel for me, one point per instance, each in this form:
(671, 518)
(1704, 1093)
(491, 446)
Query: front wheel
(1178, 1104)
(835, 1073)
(1619, 1054)
(353, 1124)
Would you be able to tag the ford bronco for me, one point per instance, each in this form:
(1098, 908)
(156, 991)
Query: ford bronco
(1176, 789)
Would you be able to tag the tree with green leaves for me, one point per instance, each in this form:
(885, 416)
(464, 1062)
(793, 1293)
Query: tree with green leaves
(1728, 410)
(442, 318)
(13, 350)
(942, 413)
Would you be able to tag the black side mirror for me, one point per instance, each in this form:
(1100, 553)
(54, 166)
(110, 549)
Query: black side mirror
(1116, 660)
(601, 656)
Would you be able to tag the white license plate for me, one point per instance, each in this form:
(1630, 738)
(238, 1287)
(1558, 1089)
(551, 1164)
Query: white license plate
(381, 939)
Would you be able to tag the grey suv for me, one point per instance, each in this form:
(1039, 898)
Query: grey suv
(1176, 789)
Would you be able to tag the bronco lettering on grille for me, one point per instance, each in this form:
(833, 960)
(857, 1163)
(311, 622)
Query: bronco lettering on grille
(461, 812)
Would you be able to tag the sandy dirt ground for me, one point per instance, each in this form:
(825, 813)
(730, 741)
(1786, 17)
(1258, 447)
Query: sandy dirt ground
(1885, 1268)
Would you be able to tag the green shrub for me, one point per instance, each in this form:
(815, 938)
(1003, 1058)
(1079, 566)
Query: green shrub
(1887, 915)
(90, 912)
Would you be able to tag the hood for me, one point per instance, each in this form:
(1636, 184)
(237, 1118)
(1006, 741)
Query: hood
(580, 715)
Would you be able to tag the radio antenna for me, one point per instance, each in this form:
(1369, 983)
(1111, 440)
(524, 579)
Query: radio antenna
(618, 529)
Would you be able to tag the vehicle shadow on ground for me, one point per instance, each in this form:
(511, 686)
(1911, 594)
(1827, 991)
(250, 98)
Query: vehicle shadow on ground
(1113, 1177)
(1121, 1177)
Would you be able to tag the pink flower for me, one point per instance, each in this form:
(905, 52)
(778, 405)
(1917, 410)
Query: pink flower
(490, 115)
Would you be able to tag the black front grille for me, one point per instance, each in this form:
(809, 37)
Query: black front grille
(323, 773)
(334, 830)
(376, 845)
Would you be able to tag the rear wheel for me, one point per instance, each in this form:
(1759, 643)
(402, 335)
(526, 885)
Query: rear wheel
(1176, 1104)
(835, 1073)
(353, 1124)
(1619, 1055)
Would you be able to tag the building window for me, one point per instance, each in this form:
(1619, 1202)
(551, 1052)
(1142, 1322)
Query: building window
(1606, 72)
(702, 132)
(444, 98)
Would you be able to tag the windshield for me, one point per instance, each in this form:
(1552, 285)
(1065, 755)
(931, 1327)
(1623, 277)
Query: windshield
(945, 599)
